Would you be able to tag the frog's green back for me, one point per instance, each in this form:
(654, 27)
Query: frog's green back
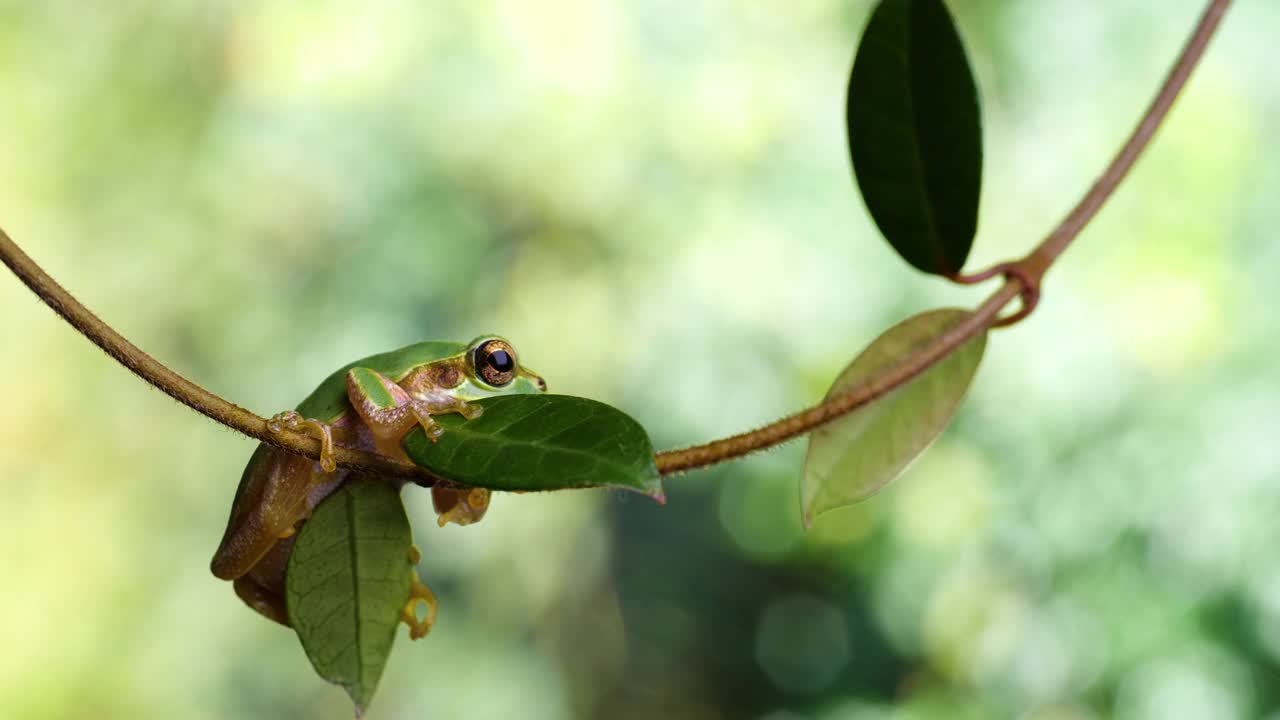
(328, 401)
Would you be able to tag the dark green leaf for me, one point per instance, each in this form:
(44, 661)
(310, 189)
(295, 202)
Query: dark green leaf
(854, 457)
(915, 133)
(348, 578)
(541, 442)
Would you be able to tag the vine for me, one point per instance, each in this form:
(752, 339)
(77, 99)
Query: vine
(1022, 278)
(350, 575)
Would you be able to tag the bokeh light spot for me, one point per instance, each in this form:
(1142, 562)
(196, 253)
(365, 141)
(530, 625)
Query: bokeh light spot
(802, 643)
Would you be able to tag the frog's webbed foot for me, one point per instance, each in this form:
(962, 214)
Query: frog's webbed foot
(291, 420)
(418, 593)
(461, 506)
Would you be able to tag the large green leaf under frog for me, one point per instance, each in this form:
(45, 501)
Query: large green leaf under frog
(541, 442)
(348, 578)
(857, 455)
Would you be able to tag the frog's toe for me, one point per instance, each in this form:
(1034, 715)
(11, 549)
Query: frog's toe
(478, 499)
(422, 413)
(470, 411)
(434, 431)
(458, 515)
(324, 432)
(328, 461)
(291, 420)
(281, 421)
(419, 594)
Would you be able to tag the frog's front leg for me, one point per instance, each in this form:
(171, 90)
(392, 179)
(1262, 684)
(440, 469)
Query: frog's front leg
(390, 412)
(323, 431)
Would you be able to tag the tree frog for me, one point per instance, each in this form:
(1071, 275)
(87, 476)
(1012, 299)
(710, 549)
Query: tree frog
(370, 404)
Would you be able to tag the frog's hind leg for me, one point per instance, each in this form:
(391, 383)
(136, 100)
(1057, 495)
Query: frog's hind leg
(263, 601)
(262, 588)
(272, 499)
(291, 420)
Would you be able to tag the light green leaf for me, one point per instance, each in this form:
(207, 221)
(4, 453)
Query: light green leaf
(348, 578)
(857, 455)
(541, 442)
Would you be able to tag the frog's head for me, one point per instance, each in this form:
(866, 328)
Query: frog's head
(489, 367)
(492, 368)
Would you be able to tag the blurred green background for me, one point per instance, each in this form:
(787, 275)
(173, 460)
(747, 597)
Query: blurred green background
(652, 200)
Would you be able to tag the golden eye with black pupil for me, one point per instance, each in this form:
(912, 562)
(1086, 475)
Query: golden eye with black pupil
(495, 362)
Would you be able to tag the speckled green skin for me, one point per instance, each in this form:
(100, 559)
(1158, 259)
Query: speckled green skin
(328, 402)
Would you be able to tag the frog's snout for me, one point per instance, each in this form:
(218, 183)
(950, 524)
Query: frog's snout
(535, 377)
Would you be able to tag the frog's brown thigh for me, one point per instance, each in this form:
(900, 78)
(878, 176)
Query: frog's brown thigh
(272, 499)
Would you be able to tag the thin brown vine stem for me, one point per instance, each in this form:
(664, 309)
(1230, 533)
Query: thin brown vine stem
(1030, 268)
(1052, 246)
(672, 461)
(178, 387)
(984, 317)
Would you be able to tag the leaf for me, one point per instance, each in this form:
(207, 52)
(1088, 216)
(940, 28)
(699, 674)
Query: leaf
(915, 133)
(541, 442)
(857, 455)
(347, 580)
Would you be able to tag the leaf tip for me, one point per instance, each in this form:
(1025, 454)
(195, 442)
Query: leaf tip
(358, 700)
(810, 513)
(653, 490)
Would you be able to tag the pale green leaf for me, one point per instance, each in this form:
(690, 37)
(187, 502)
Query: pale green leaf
(854, 457)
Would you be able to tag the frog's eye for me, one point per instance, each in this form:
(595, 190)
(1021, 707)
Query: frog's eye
(495, 362)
